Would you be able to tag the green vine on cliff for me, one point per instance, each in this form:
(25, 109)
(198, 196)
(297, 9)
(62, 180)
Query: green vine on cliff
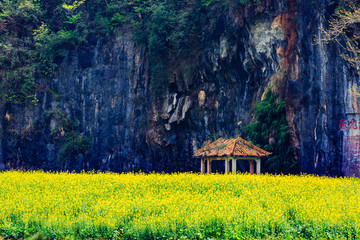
(270, 131)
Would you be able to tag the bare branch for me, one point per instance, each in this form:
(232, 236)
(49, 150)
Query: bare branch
(344, 25)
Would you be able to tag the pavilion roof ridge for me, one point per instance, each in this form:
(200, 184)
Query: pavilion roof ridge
(239, 148)
(233, 148)
(252, 145)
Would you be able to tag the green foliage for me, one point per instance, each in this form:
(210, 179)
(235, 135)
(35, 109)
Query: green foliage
(29, 44)
(271, 132)
(29, 48)
(18, 86)
(35, 34)
(234, 3)
(163, 21)
(74, 148)
(169, 29)
(159, 79)
(67, 124)
(75, 144)
(17, 61)
(73, 6)
(209, 2)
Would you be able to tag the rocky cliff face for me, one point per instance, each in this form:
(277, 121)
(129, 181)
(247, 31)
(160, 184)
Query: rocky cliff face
(105, 92)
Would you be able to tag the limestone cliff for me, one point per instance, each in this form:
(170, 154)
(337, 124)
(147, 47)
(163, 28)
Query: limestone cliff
(105, 90)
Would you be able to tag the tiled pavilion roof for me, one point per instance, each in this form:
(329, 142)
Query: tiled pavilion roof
(238, 147)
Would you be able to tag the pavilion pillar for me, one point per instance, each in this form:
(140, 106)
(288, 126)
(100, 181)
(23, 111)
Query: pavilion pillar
(251, 166)
(227, 166)
(202, 166)
(258, 166)
(233, 165)
(208, 166)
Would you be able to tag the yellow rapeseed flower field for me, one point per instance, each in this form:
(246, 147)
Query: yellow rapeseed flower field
(177, 206)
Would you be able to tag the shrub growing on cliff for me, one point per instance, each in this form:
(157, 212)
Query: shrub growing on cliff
(17, 61)
(271, 132)
(75, 147)
(29, 45)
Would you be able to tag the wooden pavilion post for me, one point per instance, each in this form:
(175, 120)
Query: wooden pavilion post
(208, 166)
(202, 166)
(251, 166)
(233, 166)
(258, 166)
(227, 167)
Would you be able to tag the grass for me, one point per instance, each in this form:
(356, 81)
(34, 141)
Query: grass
(38, 205)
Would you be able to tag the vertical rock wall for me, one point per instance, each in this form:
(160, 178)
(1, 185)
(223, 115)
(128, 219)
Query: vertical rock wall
(318, 97)
(105, 91)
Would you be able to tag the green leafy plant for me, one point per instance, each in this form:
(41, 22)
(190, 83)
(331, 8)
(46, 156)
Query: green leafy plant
(75, 144)
(271, 132)
(17, 54)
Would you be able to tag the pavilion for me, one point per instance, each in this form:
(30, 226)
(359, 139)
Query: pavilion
(231, 150)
